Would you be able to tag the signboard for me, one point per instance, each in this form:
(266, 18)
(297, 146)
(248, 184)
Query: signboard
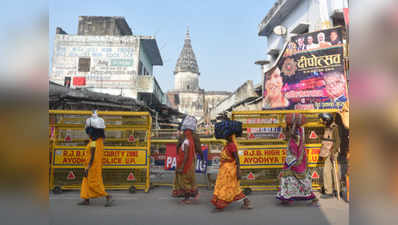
(309, 74)
(264, 132)
(273, 157)
(79, 81)
(112, 157)
(121, 62)
(171, 159)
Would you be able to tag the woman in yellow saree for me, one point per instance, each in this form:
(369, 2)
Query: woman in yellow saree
(227, 188)
(92, 184)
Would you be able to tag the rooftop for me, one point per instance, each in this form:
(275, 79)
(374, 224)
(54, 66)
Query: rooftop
(276, 15)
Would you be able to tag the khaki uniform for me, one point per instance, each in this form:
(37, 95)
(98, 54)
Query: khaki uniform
(332, 134)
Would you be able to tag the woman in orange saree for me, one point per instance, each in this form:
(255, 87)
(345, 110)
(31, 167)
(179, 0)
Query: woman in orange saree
(185, 183)
(227, 188)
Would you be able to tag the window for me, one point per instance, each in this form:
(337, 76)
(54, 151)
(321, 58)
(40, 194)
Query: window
(140, 67)
(301, 28)
(176, 99)
(145, 72)
(67, 82)
(84, 64)
(338, 21)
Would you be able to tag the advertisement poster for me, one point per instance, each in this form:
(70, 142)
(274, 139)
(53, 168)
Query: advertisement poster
(171, 159)
(309, 74)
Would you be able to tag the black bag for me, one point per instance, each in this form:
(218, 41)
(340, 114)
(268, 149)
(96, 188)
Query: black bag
(226, 128)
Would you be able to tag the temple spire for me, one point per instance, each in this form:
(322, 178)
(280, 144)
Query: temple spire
(187, 35)
(187, 60)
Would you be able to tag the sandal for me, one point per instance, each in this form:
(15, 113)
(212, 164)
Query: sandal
(286, 202)
(186, 202)
(196, 197)
(109, 201)
(315, 203)
(246, 205)
(217, 210)
(84, 202)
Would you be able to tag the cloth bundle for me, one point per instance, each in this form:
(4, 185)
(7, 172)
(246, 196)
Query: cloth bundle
(226, 128)
(189, 123)
(95, 127)
(290, 118)
(95, 121)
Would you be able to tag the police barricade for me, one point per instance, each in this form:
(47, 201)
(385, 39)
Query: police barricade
(262, 147)
(163, 158)
(126, 149)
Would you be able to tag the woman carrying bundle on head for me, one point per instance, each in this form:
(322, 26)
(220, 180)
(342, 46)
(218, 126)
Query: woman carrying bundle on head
(227, 188)
(185, 183)
(92, 184)
(295, 179)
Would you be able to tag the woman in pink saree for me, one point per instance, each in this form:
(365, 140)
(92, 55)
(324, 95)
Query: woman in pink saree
(295, 179)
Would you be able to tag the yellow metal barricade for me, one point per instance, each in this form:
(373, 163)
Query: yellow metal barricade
(164, 140)
(262, 148)
(126, 149)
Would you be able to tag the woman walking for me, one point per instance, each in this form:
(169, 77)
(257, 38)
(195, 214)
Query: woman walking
(92, 184)
(227, 188)
(185, 183)
(295, 179)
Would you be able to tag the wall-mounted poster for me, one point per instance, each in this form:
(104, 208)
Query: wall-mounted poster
(309, 74)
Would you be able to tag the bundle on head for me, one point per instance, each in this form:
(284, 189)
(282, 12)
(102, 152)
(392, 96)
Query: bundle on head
(95, 126)
(189, 123)
(293, 122)
(226, 128)
(299, 118)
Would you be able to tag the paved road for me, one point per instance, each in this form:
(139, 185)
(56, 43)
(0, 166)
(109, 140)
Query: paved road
(157, 208)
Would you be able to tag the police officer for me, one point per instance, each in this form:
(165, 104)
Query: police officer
(331, 138)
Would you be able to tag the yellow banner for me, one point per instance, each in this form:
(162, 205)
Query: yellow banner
(273, 157)
(112, 157)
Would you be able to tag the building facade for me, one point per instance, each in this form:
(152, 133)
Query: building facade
(298, 17)
(187, 96)
(106, 57)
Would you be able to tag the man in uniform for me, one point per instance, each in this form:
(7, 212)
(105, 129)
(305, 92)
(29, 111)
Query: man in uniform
(331, 136)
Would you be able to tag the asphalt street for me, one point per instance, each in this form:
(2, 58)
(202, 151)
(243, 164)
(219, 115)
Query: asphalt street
(157, 208)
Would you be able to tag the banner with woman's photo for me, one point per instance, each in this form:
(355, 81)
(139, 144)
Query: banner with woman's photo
(309, 74)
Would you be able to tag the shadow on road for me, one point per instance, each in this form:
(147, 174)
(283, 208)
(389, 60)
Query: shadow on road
(158, 208)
